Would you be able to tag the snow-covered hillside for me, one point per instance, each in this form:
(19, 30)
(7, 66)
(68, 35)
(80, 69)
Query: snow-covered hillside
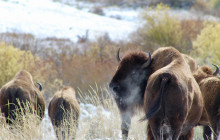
(44, 18)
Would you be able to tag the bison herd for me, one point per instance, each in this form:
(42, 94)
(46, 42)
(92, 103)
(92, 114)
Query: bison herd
(173, 92)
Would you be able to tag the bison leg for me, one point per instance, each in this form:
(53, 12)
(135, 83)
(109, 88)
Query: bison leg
(176, 127)
(216, 129)
(125, 125)
(188, 136)
(163, 129)
(207, 133)
(154, 127)
(149, 133)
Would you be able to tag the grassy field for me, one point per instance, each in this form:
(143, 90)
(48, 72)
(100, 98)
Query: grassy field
(56, 62)
(104, 124)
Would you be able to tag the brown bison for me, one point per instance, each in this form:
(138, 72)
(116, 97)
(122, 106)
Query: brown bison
(173, 101)
(210, 87)
(18, 92)
(128, 86)
(63, 111)
(164, 85)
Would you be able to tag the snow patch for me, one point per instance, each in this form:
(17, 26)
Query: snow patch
(44, 18)
(88, 111)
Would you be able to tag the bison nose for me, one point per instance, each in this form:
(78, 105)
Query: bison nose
(114, 87)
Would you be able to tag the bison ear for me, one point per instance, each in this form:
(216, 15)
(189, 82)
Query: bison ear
(216, 71)
(146, 64)
(117, 55)
(39, 86)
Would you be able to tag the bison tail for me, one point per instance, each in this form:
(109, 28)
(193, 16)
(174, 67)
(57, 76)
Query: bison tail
(14, 96)
(155, 107)
(60, 111)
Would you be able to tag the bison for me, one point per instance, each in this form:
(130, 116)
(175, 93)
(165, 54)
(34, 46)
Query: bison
(17, 93)
(209, 84)
(63, 111)
(164, 86)
(173, 102)
(128, 86)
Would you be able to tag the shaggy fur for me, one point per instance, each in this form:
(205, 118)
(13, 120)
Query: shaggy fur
(20, 89)
(128, 86)
(210, 88)
(191, 62)
(131, 78)
(173, 103)
(63, 106)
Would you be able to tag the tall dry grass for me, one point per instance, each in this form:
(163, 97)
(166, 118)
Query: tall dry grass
(99, 122)
(25, 126)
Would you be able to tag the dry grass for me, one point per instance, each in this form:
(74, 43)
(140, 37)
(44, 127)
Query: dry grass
(93, 124)
(24, 126)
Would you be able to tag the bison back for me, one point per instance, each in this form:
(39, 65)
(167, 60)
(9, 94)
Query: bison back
(12, 98)
(165, 93)
(61, 109)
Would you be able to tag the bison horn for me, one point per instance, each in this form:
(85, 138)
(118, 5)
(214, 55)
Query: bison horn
(146, 64)
(216, 71)
(118, 57)
(40, 86)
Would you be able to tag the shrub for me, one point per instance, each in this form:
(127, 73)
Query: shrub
(160, 29)
(208, 7)
(63, 62)
(135, 3)
(13, 60)
(22, 41)
(93, 63)
(190, 29)
(217, 8)
(207, 44)
(97, 10)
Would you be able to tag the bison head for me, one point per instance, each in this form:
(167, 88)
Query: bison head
(130, 80)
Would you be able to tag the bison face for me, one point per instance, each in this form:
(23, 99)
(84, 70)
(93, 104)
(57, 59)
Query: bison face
(130, 80)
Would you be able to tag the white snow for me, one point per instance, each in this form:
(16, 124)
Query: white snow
(45, 18)
(88, 111)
